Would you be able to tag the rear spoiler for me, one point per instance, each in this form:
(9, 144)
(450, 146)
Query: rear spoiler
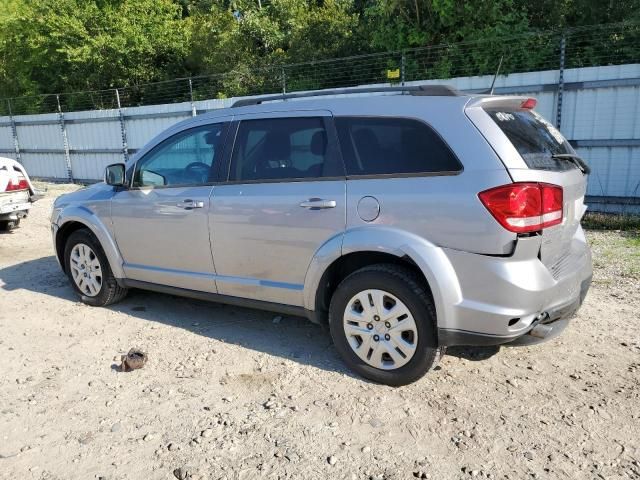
(501, 101)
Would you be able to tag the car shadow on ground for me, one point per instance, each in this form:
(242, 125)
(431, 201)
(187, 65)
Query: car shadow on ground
(287, 337)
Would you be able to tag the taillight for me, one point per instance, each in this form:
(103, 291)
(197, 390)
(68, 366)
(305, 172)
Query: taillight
(20, 185)
(524, 207)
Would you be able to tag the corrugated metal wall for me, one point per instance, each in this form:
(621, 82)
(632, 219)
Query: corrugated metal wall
(599, 113)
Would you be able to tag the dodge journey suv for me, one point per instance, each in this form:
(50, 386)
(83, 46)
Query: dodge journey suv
(407, 220)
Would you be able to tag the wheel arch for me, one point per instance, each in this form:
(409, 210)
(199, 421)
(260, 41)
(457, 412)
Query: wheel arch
(78, 218)
(364, 246)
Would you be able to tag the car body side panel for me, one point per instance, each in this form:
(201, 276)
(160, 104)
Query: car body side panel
(444, 210)
(93, 219)
(163, 242)
(263, 240)
(428, 257)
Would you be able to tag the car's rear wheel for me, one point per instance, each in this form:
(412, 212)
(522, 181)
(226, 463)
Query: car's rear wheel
(383, 324)
(8, 225)
(89, 271)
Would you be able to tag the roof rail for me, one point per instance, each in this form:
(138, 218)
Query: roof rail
(417, 90)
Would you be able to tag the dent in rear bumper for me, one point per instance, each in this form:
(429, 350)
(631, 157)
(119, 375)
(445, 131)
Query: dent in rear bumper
(556, 319)
(504, 297)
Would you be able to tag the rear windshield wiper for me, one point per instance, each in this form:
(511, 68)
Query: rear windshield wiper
(577, 161)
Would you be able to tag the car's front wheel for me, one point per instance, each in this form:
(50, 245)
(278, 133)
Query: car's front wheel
(383, 324)
(89, 271)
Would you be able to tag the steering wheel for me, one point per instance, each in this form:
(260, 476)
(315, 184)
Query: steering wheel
(198, 168)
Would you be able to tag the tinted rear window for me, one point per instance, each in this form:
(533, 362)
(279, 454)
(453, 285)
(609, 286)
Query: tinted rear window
(379, 146)
(535, 138)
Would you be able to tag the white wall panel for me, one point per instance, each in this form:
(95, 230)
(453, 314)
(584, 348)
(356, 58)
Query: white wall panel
(140, 131)
(615, 171)
(94, 135)
(6, 139)
(48, 165)
(40, 136)
(90, 166)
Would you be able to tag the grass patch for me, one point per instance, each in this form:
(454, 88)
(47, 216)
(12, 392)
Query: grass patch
(610, 221)
(616, 254)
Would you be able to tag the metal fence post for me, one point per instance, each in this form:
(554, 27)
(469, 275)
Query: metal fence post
(563, 48)
(284, 81)
(403, 62)
(123, 129)
(14, 132)
(193, 105)
(65, 140)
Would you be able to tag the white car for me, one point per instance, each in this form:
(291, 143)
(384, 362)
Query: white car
(16, 193)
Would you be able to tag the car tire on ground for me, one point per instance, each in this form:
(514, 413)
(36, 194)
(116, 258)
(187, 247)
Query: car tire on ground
(393, 339)
(88, 270)
(8, 225)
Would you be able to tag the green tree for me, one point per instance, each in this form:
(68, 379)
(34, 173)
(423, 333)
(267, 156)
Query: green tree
(67, 45)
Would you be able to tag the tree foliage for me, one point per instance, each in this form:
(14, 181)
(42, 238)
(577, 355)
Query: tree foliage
(69, 45)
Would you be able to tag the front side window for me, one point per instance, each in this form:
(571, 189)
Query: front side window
(387, 146)
(281, 149)
(186, 158)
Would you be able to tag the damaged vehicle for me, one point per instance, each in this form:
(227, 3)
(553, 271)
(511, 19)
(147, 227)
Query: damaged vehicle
(407, 221)
(17, 193)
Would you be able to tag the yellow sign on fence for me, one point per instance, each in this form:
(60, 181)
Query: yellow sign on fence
(392, 74)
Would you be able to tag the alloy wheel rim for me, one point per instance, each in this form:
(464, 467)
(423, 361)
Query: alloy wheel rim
(86, 270)
(380, 329)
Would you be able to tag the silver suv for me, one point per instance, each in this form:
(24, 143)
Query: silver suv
(408, 220)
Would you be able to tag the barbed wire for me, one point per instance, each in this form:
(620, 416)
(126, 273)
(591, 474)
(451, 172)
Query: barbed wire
(609, 44)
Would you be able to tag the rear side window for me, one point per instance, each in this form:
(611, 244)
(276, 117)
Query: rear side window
(535, 138)
(282, 149)
(387, 146)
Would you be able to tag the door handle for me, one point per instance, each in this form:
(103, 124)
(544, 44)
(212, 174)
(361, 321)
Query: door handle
(318, 204)
(190, 204)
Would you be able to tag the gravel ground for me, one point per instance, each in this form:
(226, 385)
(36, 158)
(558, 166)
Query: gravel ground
(238, 394)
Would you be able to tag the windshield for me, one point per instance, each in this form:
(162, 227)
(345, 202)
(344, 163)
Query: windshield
(535, 138)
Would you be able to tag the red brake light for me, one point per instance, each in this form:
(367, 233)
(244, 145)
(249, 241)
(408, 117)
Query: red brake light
(529, 103)
(21, 185)
(524, 207)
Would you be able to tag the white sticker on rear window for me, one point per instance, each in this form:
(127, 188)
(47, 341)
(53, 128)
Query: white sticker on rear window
(550, 128)
(504, 116)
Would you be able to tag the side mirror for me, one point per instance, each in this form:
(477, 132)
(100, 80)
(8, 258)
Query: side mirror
(114, 175)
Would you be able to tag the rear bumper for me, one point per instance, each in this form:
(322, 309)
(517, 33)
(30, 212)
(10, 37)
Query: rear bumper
(14, 205)
(515, 300)
(548, 326)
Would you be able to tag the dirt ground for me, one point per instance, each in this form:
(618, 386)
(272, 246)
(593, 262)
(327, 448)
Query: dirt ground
(234, 393)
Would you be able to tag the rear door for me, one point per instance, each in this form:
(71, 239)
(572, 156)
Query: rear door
(527, 144)
(285, 197)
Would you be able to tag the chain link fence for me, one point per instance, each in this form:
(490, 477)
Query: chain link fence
(612, 44)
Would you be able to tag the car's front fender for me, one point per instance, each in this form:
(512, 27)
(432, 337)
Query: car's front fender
(83, 215)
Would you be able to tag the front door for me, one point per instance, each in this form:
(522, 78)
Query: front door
(161, 222)
(284, 199)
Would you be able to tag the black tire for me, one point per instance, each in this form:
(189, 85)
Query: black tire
(110, 292)
(8, 225)
(406, 286)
